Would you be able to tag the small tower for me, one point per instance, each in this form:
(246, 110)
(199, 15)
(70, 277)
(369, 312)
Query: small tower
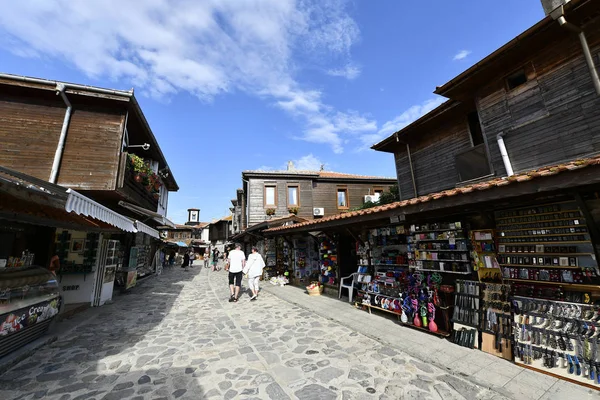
(193, 216)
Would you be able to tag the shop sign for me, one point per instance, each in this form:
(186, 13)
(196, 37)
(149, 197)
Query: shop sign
(131, 279)
(109, 274)
(68, 288)
(15, 321)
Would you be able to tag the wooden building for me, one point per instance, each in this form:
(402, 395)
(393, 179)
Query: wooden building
(534, 96)
(93, 140)
(308, 194)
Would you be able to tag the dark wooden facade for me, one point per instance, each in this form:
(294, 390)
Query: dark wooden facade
(551, 116)
(314, 191)
(95, 153)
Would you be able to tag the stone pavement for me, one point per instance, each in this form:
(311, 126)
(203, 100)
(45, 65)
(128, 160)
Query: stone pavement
(177, 337)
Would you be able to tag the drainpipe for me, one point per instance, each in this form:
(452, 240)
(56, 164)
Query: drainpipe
(558, 15)
(504, 153)
(412, 172)
(60, 89)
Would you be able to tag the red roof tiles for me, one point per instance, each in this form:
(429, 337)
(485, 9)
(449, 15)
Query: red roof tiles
(496, 182)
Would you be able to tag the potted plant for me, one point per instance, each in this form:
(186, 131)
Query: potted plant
(293, 210)
(270, 211)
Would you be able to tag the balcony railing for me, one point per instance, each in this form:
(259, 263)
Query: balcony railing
(473, 164)
(140, 184)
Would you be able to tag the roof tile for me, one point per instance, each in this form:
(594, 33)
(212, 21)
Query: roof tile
(496, 182)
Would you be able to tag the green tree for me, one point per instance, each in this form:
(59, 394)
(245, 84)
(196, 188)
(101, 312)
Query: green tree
(388, 197)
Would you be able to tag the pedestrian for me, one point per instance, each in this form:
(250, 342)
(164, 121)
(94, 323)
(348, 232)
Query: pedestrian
(186, 260)
(215, 260)
(172, 258)
(236, 263)
(206, 258)
(192, 258)
(54, 265)
(254, 269)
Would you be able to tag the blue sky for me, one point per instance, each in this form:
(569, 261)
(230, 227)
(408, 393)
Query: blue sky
(246, 84)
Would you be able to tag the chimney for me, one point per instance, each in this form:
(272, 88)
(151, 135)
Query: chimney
(322, 167)
(290, 166)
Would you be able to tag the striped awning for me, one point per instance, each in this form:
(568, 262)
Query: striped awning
(141, 227)
(82, 205)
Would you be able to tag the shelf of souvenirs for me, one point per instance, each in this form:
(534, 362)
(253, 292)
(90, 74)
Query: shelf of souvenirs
(545, 242)
(460, 239)
(443, 271)
(389, 265)
(442, 250)
(442, 260)
(545, 254)
(436, 230)
(539, 266)
(572, 285)
(575, 214)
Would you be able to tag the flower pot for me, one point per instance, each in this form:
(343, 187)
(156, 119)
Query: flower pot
(137, 178)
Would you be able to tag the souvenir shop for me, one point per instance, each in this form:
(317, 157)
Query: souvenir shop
(516, 279)
(42, 227)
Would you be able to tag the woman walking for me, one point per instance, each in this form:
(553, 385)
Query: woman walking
(254, 269)
(186, 260)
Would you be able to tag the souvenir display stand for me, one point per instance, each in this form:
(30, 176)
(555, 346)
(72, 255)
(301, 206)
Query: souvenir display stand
(270, 259)
(546, 253)
(496, 336)
(441, 247)
(364, 272)
(466, 314)
(306, 265)
(328, 260)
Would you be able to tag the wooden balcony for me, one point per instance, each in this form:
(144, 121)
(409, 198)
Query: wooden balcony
(135, 192)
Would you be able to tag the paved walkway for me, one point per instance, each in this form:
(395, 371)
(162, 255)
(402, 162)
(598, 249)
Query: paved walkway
(177, 336)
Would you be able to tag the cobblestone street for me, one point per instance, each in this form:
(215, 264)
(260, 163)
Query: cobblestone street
(177, 336)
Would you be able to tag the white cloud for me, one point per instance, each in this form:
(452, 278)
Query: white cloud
(206, 48)
(349, 72)
(461, 55)
(306, 163)
(406, 118)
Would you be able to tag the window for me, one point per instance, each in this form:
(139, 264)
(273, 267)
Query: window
(293, 196)
(378, 191)
(270, 195)
(342, 198)
(515, 80)
(475, 128)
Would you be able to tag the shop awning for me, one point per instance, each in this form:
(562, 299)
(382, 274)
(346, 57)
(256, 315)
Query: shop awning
(79, 204)
(26, 198)
(162, 220)
(181, 244)
(141, 227)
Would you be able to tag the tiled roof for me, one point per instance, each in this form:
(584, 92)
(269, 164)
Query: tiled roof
(319, 174)
(331, 174)
(497, 182)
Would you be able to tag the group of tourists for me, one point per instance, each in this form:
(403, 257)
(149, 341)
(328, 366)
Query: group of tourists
(235, 263)
(238, 266)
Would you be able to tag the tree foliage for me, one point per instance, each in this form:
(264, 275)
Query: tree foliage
(388, 197)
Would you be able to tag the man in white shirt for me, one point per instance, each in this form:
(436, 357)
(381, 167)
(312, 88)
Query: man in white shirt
(237, 262)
